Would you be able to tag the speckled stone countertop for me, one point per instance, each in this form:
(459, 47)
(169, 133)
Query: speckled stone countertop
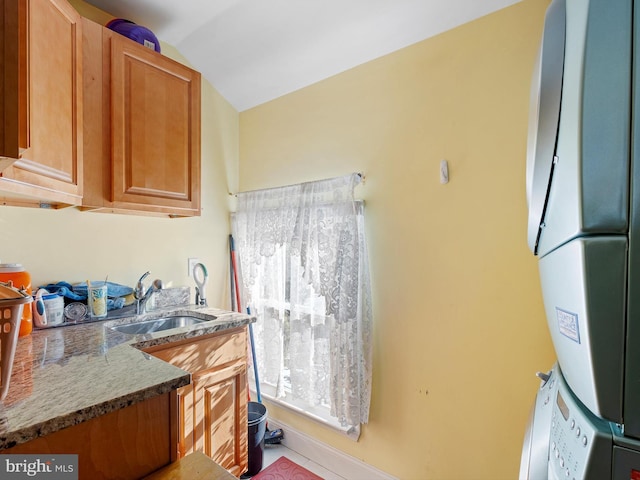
(67, 375)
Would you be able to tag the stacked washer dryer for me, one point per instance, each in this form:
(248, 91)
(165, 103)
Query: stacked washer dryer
(584, 226)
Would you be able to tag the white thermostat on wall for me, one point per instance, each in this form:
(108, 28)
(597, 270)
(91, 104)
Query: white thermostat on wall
(444, 172)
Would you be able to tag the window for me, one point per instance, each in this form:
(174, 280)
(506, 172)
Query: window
(305, 275)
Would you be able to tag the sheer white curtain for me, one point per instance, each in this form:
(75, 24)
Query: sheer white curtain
(305, 274)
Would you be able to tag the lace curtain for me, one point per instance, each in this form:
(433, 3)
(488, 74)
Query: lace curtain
(304, 272)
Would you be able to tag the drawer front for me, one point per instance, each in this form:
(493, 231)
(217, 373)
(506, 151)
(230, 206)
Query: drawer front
(205, 353)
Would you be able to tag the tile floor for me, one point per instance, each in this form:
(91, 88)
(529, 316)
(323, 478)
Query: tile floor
(274, 452)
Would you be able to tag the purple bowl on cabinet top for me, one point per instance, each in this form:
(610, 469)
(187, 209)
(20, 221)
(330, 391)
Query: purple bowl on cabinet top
(135, 32)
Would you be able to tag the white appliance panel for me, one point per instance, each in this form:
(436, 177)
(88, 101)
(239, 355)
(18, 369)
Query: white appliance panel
(535, 449)
(588, 183)
(583, 286)
(564, 440)
(581, 444)
(583, 172)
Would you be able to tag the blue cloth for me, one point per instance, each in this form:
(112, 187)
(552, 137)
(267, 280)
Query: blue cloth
(113, 289)
(64, 289)
(115, 303)
(78, 292)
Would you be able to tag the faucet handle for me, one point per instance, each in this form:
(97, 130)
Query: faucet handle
(139, 290)
(145, 275)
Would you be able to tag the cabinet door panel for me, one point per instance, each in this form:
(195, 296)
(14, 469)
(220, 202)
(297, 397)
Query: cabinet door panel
(186, 420)
(51, 155)
(155, 128)
(223, 416)
(13, 80)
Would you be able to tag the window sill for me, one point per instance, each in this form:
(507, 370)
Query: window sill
(352, 432)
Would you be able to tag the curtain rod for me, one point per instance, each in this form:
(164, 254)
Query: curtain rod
(361, 175)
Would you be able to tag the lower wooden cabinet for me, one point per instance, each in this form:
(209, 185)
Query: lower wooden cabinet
(186, 421)
(127, 444)
(212, 410)
(221, 396)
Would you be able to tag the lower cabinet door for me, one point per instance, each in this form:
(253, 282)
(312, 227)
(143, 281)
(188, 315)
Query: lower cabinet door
(221, 416)
(127, 444)
(186, 422)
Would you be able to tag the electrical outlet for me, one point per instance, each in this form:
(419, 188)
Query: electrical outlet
(191, 262)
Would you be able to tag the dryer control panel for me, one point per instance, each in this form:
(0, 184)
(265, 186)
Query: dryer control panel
(581, 444)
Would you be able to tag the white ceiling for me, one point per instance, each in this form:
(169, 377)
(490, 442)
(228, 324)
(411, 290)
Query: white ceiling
(253, 51)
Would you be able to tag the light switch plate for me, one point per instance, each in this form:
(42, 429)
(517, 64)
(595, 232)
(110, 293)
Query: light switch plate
(191, 262)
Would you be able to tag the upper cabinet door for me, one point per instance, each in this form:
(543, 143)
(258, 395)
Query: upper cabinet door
(42, 95)
(155, 130)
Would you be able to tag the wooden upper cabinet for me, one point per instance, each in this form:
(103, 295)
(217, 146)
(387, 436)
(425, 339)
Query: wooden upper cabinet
(155, 113)
(41, 100)
(147, 125)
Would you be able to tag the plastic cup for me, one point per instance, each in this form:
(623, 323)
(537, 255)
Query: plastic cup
(97, 300)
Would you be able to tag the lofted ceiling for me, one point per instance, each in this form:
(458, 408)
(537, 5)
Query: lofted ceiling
(253, 51)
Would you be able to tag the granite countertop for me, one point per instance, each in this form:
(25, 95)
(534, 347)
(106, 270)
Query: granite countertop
(67, 375)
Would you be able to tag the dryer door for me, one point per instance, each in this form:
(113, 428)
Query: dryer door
(584, 189)
(544, 115)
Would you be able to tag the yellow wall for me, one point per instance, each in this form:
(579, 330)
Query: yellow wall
(73, 246)
(459, 323)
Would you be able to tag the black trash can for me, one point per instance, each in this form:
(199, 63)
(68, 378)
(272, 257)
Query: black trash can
(257, 414)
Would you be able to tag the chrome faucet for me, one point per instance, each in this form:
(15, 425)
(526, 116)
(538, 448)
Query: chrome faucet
(143, 297)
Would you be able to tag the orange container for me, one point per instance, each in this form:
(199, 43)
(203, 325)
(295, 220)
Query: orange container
(21, 279)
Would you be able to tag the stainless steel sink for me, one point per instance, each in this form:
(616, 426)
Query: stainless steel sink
(158, 325)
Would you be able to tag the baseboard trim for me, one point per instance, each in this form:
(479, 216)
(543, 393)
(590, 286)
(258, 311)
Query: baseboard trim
(342, 464)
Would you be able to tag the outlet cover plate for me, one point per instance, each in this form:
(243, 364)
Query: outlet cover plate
(191, 262)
